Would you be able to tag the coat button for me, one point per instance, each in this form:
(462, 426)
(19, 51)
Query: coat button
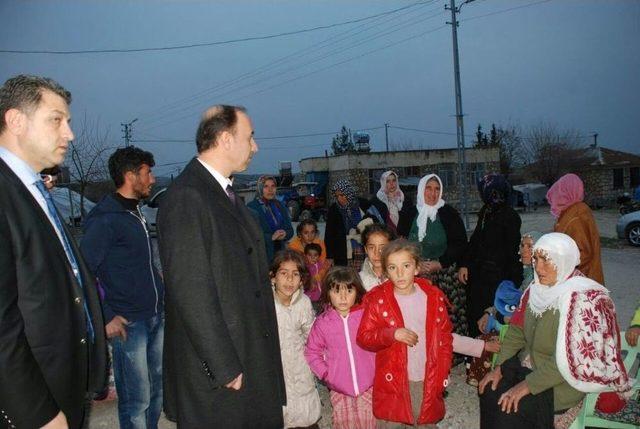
(266, 335)
(249, 250)
(380, 301)
(77, 300)
(440, 308)
(83, 341)
(388, 376)
(392, 323)
(438, 320)
(441, 299)
(385, 314)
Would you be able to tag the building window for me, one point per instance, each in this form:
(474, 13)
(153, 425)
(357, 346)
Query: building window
(618, 178)
(448, 174)
(634, 177)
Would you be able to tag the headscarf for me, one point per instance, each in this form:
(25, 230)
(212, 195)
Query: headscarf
(565, 256)
(351, 213)
(527, 270)
(393, 201)
(588, 337)
(271, 208)
(494, 190)
(425, 211)
(567, 191)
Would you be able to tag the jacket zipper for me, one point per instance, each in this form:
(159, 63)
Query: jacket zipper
(146, 233)
(354, 378)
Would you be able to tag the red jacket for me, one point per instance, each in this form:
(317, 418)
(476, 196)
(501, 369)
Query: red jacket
(382, 316)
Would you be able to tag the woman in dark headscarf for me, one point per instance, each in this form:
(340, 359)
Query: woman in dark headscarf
(341, 236)
(492, 254)
(272, 215)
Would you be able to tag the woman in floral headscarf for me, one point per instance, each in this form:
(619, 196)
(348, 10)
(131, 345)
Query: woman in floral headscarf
(272, 215)
(390, 207)
(439, 231)
(341, 236)
(574, 218)
(571, 341)
(492, 253)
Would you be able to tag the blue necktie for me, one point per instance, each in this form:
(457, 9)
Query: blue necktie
(53, 212)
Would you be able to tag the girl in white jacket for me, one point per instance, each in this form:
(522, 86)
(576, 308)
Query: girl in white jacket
(295, 317)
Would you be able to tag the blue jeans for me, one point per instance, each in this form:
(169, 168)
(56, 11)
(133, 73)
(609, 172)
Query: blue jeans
(137, 369)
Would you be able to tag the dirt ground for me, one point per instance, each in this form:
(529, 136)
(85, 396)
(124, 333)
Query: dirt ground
(620, 262)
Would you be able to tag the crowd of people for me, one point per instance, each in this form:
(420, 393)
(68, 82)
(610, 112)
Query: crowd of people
(242, 320)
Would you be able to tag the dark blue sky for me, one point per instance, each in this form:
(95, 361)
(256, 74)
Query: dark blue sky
(572, 63)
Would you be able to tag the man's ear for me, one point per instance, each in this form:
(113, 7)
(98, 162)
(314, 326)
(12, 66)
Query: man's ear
(226, 140)
(15, 121)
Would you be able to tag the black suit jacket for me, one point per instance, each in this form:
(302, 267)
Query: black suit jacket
(47, 361)
(219, 312)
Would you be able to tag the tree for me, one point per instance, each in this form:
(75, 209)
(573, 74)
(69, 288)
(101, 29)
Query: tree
(342, 143)
(88, 157)
(548, 152)
(506, 139)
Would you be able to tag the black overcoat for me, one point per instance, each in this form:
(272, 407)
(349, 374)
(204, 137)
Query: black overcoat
(47, 361)
(219, 310)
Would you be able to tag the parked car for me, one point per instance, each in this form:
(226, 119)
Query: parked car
(628, 227)
(150, 210)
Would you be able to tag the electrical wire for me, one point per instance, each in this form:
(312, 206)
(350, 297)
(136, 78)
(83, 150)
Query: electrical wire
(200, 45)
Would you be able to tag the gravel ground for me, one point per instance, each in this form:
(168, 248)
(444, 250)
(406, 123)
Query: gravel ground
(620, 262)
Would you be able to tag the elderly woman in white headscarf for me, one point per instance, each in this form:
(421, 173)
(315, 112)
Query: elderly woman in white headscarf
(390, 207)
(438, 229)
(570, 341)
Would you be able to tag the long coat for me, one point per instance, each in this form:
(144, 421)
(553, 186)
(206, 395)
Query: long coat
(220, 316)
(578, 223)
(47, 361)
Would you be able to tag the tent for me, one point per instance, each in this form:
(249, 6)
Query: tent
(533, 194)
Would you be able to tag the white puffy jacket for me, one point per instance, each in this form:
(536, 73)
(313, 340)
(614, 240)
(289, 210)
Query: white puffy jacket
(294, 323)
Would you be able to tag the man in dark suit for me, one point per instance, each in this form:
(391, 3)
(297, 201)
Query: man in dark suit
(222, 353)
(52, 345)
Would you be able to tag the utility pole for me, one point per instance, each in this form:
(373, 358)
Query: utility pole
(386, 135)
(595, 139)
(462, 163)
(126, 130)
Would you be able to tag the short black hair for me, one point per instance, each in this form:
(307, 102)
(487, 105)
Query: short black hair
(377, 228)
(24, 92)
(215, 121)
(313, 246)
(304, 223)
(127, 159)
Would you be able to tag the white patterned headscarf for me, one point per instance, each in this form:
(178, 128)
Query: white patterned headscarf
(588, 336)
(394, 200)
(425, 211)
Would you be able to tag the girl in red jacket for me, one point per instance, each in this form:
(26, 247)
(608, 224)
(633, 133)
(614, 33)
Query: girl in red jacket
(406, 323)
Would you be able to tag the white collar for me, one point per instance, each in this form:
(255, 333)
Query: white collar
(223, 181)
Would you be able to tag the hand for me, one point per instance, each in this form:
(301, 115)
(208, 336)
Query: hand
(492, 346)
(482, 323)
(236, 384)
(632, 336)
(463, 275)
(279, 235)
(117, 328)
(509, 400)
(58, 422)
(433, 266)
(423, 267)
(492, 377)
(406, 336)
(329, 262)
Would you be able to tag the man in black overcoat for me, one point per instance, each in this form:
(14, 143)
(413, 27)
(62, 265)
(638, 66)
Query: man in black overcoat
(52, 343)
(221, 350)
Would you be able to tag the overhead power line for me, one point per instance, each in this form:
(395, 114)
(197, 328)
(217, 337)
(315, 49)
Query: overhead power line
(207, 44)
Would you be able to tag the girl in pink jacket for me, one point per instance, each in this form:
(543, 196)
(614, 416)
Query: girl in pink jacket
(334, 356)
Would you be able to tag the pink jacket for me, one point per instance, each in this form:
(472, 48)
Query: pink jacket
(334, 356)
